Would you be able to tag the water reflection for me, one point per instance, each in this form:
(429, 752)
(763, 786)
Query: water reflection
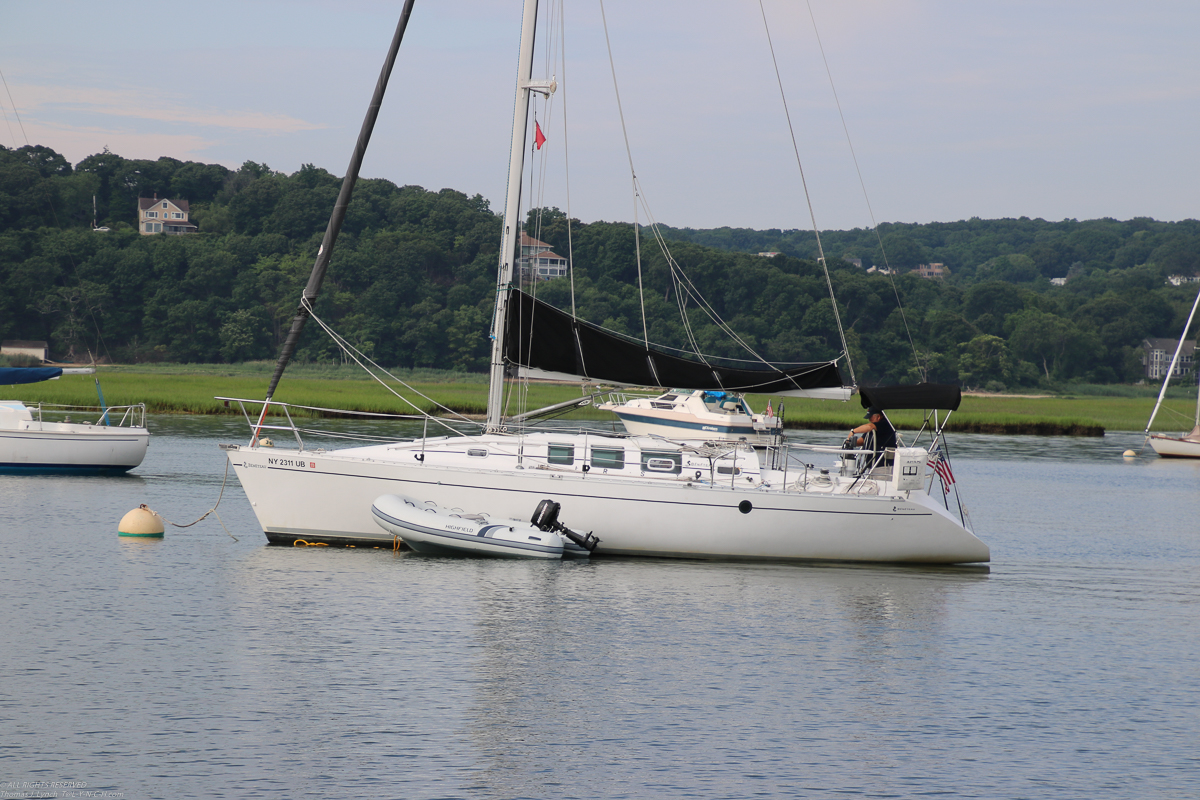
(200, 666)
(616, 662)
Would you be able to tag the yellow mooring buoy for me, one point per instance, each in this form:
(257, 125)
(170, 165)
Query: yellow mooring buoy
(1130, 454)
(142, 523)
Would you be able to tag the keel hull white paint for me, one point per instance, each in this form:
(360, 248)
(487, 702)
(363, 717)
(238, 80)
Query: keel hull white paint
(328, 497)
(70, 447)
(1169, 447)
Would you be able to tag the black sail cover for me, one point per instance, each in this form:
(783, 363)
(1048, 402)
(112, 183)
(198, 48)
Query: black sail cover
(539, 336)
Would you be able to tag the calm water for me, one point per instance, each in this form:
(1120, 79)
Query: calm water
(200, 666)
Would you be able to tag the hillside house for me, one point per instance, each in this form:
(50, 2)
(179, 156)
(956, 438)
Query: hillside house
(931, 271)
(539, 261)
(163, 216)
(1157, 355)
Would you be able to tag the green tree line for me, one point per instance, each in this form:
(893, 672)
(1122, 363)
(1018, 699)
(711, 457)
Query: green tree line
(412, 279)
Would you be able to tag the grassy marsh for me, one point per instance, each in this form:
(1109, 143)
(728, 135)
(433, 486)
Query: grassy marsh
(193, 389)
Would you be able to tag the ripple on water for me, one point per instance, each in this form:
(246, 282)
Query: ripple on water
(201, 666)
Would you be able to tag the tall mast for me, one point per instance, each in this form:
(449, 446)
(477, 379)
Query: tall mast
(512, 208)
(317, 276)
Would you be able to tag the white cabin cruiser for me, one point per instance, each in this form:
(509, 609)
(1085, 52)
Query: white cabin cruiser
(43, 438)
(696, 415)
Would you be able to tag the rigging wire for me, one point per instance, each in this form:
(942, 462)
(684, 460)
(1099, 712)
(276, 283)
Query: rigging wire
(358, 357)
(16, 113)
(678, 276)
(632, 172)
(567, 160)
(866, 198)
(812, 214)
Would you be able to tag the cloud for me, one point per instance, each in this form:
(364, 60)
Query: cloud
(147, 104)
(77, 142)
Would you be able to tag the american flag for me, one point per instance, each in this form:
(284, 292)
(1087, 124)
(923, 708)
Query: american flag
(942, 467)
(769, 412)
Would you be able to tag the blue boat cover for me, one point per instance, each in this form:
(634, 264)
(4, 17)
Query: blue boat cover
(12, 375)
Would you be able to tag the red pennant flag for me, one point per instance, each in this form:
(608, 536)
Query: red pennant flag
(539, 138)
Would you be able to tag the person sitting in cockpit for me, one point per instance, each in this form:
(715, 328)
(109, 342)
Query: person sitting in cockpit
(878, 434)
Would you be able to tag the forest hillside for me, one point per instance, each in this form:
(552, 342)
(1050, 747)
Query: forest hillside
(412, 278)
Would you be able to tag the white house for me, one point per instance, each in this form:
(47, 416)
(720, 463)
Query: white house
(539, 261)
(16, 347)
(163, 216)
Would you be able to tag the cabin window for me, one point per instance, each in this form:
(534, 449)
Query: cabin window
(561, 454)
(477, 452)
(729, 470)
(608, 458)
(663, 461)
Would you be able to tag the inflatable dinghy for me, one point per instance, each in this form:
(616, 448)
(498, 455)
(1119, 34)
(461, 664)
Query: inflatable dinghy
(429, 528)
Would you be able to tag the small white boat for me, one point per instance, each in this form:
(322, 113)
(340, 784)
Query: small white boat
(429, 528)
(1185, 445)
(42, 438)
(696, 415)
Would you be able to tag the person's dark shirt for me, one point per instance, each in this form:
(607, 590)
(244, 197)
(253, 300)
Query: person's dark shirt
(885, 434)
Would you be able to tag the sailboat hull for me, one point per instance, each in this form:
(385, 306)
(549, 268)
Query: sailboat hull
(71, 448)
(327, 497)
(1170, 447)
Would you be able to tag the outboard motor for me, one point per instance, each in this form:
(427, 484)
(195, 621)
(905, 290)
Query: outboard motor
(545, 518)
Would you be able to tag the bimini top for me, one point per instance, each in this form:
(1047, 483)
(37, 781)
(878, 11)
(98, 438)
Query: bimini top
(13, 375)
(923, 395)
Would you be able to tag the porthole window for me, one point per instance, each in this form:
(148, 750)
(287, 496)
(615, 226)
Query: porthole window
(663, 461)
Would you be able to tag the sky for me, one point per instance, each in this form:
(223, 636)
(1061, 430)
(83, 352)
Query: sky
(948, 109)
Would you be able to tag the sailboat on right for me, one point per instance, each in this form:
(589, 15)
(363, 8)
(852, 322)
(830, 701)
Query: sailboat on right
(1185, 445)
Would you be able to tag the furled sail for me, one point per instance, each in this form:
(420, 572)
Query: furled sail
(13, 375)
(545, 342)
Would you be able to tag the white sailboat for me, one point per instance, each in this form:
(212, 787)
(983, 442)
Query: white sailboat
(1186, 445)
(45, 438)
(647, 495)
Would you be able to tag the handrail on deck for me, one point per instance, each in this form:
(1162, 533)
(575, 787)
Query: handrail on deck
(130, 416)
